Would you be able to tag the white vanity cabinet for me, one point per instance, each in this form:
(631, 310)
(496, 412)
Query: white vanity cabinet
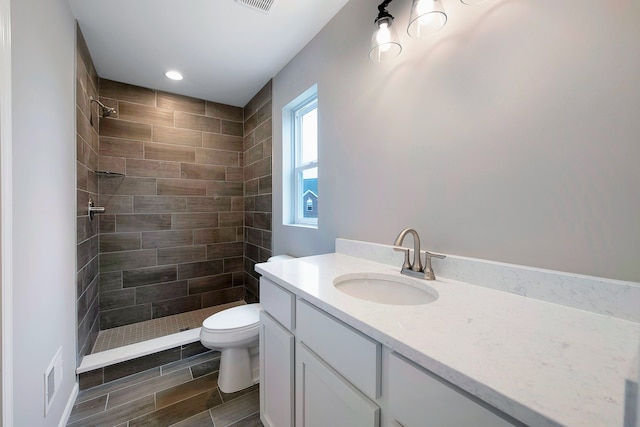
(276, 356)
(345, 378)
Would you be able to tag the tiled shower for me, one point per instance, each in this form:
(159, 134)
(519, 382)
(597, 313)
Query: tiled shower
(187, 201)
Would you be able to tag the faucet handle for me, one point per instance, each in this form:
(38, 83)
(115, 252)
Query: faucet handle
(428, 271)
(407, 264)
(430, 254)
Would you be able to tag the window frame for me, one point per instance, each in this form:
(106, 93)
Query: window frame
(293, 200)
(297, 198)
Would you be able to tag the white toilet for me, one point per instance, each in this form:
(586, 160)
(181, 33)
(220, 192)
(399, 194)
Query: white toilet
(234, 332)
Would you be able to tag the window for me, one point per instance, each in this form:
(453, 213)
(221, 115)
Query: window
(300, 148)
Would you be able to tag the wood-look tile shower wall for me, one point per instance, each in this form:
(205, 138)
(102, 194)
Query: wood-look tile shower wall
(87, 187)
(171, 239)
(257, 187)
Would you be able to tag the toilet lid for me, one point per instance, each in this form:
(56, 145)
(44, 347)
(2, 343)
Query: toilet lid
(240, 317)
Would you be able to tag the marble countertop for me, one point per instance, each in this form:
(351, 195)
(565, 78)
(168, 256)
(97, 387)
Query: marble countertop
(542, 363)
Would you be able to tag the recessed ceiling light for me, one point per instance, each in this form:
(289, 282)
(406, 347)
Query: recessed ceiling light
(173, 75)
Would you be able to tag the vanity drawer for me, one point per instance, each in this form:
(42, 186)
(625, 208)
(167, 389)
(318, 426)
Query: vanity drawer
(355, 356)
(414, 395)
(278, 302)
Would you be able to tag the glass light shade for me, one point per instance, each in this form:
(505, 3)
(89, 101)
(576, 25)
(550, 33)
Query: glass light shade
(427, 16)
(385, 44)
(471, 1)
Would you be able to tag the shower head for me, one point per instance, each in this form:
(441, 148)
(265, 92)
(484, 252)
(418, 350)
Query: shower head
(106, 111)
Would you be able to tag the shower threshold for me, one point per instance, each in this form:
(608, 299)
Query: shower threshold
(151, 336)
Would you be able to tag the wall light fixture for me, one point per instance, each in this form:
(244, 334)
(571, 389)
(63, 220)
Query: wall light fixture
(385, 44)
(427, 17)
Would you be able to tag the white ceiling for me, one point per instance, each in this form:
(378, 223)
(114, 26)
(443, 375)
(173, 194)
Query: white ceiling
(226, 51)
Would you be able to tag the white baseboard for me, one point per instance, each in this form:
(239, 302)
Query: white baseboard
(67, 410)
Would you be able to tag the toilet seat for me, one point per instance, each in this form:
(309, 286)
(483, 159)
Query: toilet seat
(234, 327)
(232, 320)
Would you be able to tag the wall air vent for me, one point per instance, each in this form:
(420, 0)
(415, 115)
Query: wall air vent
(52, 380)
(261, 5)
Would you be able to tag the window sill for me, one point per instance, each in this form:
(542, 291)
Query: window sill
(311, 226)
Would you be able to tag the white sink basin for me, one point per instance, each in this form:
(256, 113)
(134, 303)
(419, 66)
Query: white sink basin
(386, 289)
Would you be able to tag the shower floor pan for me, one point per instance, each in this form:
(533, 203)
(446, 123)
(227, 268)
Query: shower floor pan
(140, 339)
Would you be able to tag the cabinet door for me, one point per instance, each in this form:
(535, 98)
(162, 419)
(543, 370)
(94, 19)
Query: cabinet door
(418, 398)
(323, 398)
(355, 356)
(276, 373)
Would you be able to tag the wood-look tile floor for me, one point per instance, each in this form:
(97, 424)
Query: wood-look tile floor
(180, 394)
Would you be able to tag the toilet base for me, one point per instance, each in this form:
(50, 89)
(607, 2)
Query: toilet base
(237, 370)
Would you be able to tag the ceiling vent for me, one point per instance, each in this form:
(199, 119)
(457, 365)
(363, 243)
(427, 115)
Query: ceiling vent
(261, 5)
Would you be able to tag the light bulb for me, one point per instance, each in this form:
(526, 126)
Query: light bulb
(384, 37)
(384, 40)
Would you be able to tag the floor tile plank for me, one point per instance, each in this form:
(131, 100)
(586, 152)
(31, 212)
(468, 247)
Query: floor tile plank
(179, 411)
(251, 421)
(226, 397)
(203, 419)
(119, 414)
(236, 409)
(88, 408)
(149, 387)
(117, 384)
(186, 390)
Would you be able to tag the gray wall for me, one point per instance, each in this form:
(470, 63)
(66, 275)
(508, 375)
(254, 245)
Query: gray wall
(44, 199)
(511, 135)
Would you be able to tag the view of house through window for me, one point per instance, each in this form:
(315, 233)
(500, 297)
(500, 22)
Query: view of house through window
(300, 130)
(307, 162)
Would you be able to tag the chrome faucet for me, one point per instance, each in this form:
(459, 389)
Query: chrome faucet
(415, 268)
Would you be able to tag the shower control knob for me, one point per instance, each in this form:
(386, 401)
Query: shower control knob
(94, 209)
